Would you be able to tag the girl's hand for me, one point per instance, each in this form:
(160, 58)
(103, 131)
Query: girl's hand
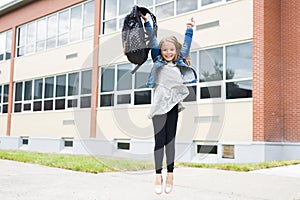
(190, 23)
(144, 18)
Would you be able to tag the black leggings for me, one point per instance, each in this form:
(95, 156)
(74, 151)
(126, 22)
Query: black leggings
(165, 131)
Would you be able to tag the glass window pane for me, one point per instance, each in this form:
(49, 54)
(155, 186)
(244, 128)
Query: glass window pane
(141, 75)
(28, 90)
(75, 23)
(145, 2)
(142, 97)
(38, 88)
(88, 32)
(107, 79)
(51, 43)
(41, 30)
(18, 107)
(241, 89)
(184, 6)
(49, 87)
(18, 91)
(52, 26)
(63, 39)
(109, 26)
(106, 100)
(110, 9)
(37, 106)
(164, 11)
(207, 2)
(124, 77)
(88, 13)
(21, 35)
(211, 64)
(73, 84)
(8, 41)
(5, 109)
(0, 94)
(5, 93)
(210, 92)
(125, 6)
(2, 45)
(31, 33)
(27, 107)
(72, 103)
(60, 104)
(86, 82)
(85, 102)
(63, 22)
(124, 99)
(239, 61)
(48, 105)
(61, 86)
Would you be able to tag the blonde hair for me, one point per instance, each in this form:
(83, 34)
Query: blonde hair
(172, 39)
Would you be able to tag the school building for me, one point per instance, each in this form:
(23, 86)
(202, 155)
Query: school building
(66, 86)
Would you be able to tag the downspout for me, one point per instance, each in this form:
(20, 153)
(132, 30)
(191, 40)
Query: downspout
(95, 70)
(11, 81)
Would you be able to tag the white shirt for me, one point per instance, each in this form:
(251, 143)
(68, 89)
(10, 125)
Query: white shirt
(169, 90)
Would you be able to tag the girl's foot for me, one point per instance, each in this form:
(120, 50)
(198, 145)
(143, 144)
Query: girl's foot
(158, 184)
(169, 183)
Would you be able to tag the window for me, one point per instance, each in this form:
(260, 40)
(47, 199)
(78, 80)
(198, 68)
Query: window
(52, 93)
(234, 76)
(239, 71)
(207, 149)
(69, 25)
(114, 11)
(5, 45)
(4, 89)
(119, 87)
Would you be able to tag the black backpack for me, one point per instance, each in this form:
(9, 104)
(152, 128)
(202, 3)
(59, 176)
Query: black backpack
(134, 38)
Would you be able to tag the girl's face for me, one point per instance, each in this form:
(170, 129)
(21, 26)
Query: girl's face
(168, 51)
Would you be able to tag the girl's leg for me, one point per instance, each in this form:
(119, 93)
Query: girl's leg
(159, 122)
(171, 126)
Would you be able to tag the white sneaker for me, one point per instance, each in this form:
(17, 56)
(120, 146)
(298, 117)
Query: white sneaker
(158, 184)
(169, 183)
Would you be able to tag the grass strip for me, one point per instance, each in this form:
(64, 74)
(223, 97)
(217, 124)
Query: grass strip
(91, 164)
(245, 167)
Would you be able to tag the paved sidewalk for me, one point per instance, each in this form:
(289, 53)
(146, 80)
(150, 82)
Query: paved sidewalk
(20, 181)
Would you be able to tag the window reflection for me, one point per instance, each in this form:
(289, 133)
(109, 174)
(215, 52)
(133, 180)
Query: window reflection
(165, 11)
(124, 77)
(239, 61)
(211, 64)
(241, 89)
(184, 6)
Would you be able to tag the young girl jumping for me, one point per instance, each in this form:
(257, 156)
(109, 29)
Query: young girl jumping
(170, 71)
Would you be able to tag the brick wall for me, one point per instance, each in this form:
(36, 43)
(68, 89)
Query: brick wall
(291, 69)
(276, 69)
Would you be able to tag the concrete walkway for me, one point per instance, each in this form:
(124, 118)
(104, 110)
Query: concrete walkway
(20, 181)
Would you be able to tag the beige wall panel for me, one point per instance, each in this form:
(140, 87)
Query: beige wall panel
(209, 122)
(4, 72)
(3, 123)
(124, 123)
(53, 61)
(238, 122)
(50, 124)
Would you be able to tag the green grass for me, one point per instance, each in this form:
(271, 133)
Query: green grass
(243, 167)
(94, 164)
(81, 163)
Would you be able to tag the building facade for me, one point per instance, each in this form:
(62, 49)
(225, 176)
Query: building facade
(66, 86)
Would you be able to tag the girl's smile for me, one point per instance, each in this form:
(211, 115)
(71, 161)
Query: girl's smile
(168, 51)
